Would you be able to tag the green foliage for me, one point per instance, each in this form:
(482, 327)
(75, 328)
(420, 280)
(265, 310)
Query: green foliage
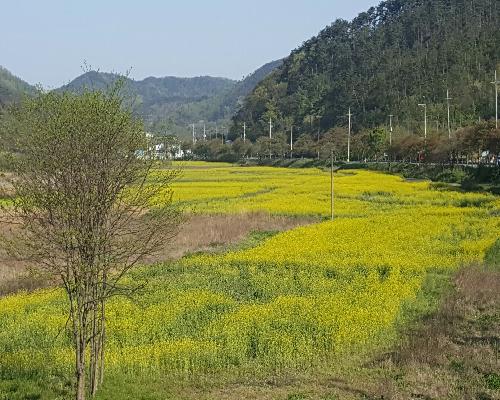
(386, 61)
(492, 381)
(169, 104)
(492, 255)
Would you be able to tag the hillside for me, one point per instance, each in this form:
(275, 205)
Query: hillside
(171, 103)
(386, 61)
(12, 88)
(160, 99)
(235, 97)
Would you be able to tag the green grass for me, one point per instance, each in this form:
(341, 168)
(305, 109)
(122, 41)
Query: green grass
(492, 256)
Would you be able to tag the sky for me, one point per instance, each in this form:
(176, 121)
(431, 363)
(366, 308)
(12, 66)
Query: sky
(47, 42)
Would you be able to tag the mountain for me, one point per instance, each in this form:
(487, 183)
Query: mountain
(159, 99)
(167, 104)
(155, 91)
(221, 108)
(171, 104)
(235, 97)
(12, 88)
(386, 61)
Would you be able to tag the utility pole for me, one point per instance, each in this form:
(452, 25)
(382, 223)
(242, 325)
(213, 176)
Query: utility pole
(244, 132)
(425, 119)
(448, 98)
(349, 138)
(291, 141)
(222, 134)
(496, 82)
(270, 137)
(331, 184)
(204, 132)
(216, 130)
(319, 126)
(194, 134)
(390, 129)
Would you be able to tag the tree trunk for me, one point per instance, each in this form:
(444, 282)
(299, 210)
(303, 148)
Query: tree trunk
(94, 350)
(79, 340)
(102, 341)
(80, 371)
(80, 385)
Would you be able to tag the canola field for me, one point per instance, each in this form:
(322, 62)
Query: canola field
(297, 298)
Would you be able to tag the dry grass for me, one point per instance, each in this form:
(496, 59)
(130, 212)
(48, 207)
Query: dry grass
(205, 232)
(454, 353)
(199, 233)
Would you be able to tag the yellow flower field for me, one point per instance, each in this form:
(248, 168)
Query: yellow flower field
(296, 298)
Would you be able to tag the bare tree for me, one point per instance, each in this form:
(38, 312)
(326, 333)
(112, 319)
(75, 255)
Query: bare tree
(88, 205)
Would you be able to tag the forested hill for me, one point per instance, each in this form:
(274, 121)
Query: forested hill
(171, 103)
(12, 88)
(386, 61)
(160, 98)
(243, 88)
(157, 90)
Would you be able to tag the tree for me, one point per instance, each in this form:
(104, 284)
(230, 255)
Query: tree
(241, 148)
(82, 199)
(386, 61)
(263, 147)
(334, 142)
(407, 148)
(304, 146)
(279, 146)
(479, 137)
(373, 143)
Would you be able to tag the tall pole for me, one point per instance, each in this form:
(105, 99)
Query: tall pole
(194, 134)
(319, 126)
(270, 137)
(349, 138)
(204, 132)
(244, 132)
(425, 119)
(390, 129)
(216, 130)
(331, 183)
(448, 98)
(291, 141)
(496, 82)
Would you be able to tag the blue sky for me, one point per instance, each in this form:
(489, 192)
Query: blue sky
(47, 41)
